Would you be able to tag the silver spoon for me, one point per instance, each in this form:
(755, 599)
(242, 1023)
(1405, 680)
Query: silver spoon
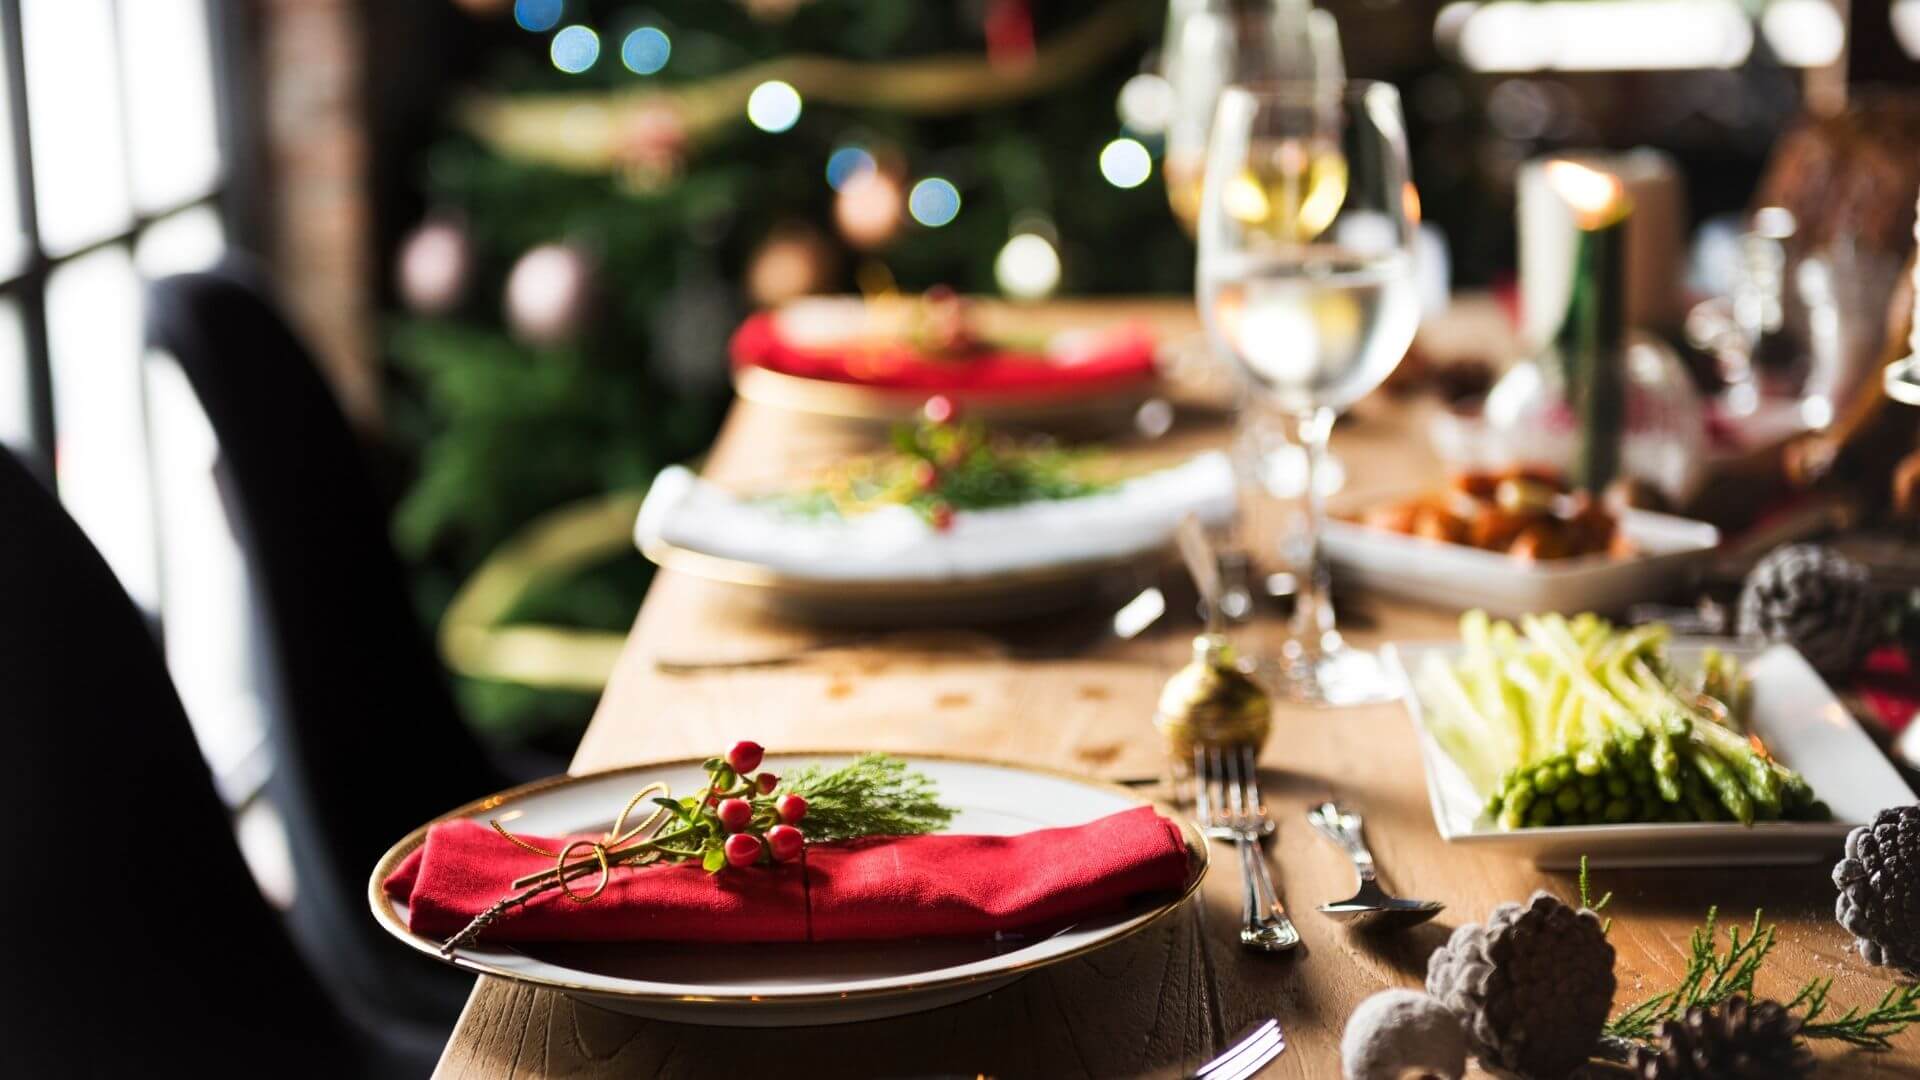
(1371, 906)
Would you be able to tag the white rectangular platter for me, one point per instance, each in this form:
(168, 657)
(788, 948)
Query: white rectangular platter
(1794, 712)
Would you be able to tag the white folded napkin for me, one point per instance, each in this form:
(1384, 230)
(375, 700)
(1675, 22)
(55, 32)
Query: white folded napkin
(892, 543)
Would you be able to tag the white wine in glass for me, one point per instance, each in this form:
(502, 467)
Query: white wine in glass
(1213, 43)
(1306, 280)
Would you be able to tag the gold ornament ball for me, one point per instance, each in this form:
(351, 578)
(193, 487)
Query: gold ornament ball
(870, 209)
(1211, 702)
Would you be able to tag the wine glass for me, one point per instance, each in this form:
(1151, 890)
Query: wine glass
(1213, 43)
(1306, 279)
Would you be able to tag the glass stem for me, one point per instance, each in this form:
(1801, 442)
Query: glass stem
(1313, 623)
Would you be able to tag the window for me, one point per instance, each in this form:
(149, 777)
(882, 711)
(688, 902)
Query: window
(111, 169)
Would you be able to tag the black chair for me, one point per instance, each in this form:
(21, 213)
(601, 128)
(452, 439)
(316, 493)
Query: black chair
(137, 941)
(366, 739)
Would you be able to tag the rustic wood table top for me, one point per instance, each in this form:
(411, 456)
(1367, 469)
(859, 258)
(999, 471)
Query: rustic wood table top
(1166, 1000)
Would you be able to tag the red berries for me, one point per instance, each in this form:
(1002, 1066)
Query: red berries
(940, 516)
(735, 814)
(926, 475)
(745, 756)
(765, 783)
(791, 809)
(743, 849)
(785, 842)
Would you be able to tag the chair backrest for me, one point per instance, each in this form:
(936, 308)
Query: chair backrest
(136, 937)
(367, 742)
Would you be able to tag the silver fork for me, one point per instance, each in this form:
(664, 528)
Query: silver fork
(1226, 800)
(1258, 1044)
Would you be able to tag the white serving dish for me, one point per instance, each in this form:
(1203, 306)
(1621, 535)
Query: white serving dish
(1457, 576)
(1794, 712)
(799, 984)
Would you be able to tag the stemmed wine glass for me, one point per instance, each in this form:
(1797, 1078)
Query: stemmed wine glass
(1306, 279)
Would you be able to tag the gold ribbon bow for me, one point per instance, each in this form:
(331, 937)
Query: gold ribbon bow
(618, 847)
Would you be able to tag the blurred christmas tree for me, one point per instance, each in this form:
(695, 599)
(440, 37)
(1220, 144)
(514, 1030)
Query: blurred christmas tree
(634, 179)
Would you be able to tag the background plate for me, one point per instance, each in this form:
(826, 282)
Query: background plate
(1793, 710)
(1460, 577)
(827, 983)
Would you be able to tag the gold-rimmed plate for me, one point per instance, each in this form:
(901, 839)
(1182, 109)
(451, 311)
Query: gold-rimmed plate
(996, 597)
(787, 985)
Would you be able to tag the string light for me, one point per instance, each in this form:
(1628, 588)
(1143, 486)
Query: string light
(645, 51)
(774, 106)
(575, 49)
(1125, 163)
(538, 16)
(1027, 268)
(934, 202)
(846, 163)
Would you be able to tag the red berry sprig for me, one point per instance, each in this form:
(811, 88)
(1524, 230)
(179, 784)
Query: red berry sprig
(738, 818)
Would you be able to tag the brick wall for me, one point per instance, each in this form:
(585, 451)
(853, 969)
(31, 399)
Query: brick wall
(312, 74)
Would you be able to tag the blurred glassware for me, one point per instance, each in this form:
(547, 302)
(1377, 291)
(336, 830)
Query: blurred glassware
(1526, 421)
(1212, 43)
(1746, 331)
(1306, 279)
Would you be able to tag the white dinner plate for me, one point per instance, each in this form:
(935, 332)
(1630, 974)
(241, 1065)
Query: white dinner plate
(799, 984)
(1794, 712)
(1461, 577)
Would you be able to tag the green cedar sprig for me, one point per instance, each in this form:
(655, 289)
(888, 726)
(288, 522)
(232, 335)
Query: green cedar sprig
(873, 795)
(1712, 976)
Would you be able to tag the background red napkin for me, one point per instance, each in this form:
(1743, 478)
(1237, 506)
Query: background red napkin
(1116, 357)
(873, 889)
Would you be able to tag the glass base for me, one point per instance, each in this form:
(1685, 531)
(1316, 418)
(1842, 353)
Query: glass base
(1339, 676)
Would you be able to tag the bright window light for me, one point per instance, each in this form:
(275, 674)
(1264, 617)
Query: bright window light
(1601, 35)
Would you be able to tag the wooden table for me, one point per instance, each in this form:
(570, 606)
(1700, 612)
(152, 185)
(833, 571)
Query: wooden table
(1164, 1001)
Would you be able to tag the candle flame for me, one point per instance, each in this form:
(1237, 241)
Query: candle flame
(1597, 198)
(1410, 195)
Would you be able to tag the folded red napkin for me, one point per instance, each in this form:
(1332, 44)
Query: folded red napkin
(872, 889)
(1114, 357)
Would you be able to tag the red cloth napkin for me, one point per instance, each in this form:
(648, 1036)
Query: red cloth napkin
(873, 889)
(1114, 357)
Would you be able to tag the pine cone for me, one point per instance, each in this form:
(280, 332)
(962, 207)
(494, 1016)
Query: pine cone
(1731, 1041)
(1532, 987)
(1879, 883)
(1814, 599)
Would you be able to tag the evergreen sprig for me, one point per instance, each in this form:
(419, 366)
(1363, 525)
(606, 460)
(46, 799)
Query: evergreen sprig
(1872, 1029)
(873, 795)
(1712, 976)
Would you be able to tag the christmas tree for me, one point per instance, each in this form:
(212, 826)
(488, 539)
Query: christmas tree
(632, 181)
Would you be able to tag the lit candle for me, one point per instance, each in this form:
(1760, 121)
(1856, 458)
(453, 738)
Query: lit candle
(1586, 346)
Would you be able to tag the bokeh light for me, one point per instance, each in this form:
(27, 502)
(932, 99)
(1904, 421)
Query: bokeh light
(846, 163)
(774, 106)
(934, 202)
(538, 15)
(645, 51)
(1146, 103)
(1804, 33)
(1027, 267)
(575, 49)
(1125, 163)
